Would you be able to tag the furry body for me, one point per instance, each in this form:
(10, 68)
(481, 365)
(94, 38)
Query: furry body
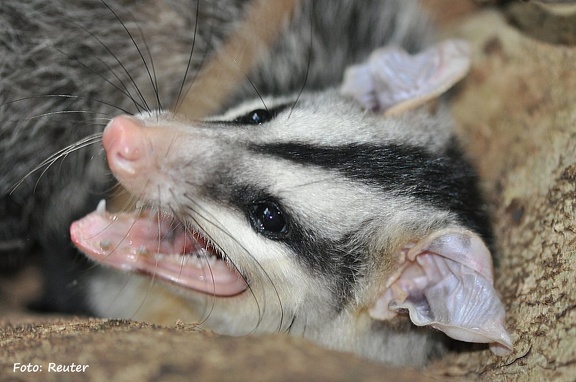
(52, 50)
(354, 188)
(81, 49)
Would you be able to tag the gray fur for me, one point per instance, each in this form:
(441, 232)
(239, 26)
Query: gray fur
(48, 54)
(59, 57)
(319, 280)
(77, 49)
(316, 52)
(61, 48)
(64, 69)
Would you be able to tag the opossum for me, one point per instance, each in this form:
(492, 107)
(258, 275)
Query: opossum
(65, 69)
(313, 204)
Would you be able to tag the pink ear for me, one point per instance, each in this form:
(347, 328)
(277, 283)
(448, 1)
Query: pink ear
(445, 281)
(392, 81)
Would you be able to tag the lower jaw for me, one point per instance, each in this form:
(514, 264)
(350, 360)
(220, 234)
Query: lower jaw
(145, 297)
(134, 242)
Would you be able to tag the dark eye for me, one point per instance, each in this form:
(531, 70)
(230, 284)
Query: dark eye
(255, 117)
(268, 219)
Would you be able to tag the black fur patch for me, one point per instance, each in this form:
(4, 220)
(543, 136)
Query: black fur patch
(338, 259)
(446, 181)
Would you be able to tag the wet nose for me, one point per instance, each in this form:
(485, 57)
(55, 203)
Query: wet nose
(125, 143)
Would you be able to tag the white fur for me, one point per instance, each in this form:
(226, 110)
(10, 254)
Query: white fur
(329, 203)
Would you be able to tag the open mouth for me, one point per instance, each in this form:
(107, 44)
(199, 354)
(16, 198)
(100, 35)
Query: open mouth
(155, 243)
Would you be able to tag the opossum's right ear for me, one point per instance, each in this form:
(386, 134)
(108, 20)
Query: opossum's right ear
(445, 281)
(391, 81)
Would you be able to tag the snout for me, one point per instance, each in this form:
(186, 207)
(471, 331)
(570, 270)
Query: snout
(125, 142)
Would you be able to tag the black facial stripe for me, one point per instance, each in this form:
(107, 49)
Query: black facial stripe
(445, 181)
(339, 261)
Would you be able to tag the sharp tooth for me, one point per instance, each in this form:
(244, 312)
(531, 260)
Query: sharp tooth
(105, 245)
(142, 250)
(101, 206)
(212, 260)
(197, 262)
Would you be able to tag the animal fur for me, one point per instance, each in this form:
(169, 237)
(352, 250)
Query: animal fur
(66, 69)
(357, 189)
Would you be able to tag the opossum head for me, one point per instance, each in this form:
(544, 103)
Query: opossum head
(306, 214)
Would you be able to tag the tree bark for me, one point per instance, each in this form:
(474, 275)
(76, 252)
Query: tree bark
(516, 112)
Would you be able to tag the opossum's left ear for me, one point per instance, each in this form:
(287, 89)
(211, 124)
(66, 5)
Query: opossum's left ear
(391, 81)
(445, 281)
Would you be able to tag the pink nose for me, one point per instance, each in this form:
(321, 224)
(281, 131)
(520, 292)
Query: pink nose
(125, 143)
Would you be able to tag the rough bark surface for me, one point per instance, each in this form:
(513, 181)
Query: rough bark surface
(517, 116)
(130, 351)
